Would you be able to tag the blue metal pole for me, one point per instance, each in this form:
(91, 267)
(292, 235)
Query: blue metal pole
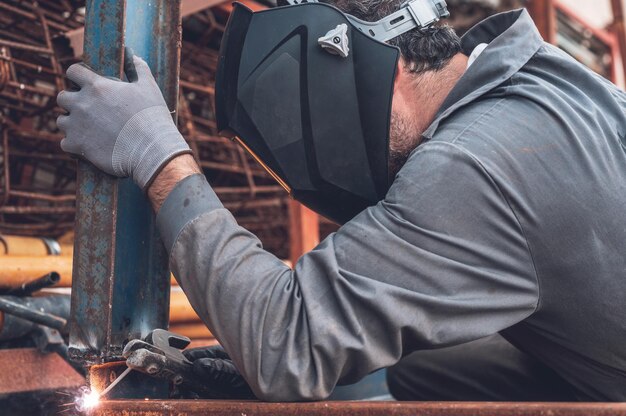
(120, 286)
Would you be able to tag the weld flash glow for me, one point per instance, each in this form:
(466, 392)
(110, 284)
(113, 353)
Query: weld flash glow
(88, 399)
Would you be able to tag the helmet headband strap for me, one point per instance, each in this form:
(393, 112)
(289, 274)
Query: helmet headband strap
(414, 14)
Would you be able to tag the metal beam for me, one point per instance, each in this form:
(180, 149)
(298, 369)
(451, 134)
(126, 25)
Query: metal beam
(234, 408)
(304, 230)
(188, 7)
(120, 284)
(619, 28)
(544, 15)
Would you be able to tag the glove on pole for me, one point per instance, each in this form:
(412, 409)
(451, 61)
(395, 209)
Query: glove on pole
(123, 128)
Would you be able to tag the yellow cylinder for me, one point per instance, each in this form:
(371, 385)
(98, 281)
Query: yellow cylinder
(67, 249)
(17, 270)
(14, 245)
(180, 308)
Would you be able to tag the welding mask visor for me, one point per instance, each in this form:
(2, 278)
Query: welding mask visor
(308, 94)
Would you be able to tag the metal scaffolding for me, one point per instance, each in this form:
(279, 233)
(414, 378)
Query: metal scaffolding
(37, 185)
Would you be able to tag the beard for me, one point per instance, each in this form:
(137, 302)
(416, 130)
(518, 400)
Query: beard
(402, 140)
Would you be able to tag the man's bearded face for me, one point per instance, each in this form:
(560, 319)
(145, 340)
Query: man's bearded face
(403, 138)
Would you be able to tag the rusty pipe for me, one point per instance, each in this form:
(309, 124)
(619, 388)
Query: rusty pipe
(28, 288)
(26, 47)
(13, 326)
(20, 308)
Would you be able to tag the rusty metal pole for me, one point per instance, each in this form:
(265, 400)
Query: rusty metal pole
(304, 233)
(544, 15)
(619, 28)
(120, 284)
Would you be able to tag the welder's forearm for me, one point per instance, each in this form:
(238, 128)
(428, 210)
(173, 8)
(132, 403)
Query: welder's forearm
(249, 298)
(175, 171)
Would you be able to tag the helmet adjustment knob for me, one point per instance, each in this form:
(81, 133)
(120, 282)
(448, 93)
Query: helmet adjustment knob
(335, 41)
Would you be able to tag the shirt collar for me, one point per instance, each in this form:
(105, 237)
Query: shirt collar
(513, 40)
(476, 53)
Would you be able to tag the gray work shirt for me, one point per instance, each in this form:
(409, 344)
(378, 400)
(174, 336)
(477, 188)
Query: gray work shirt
(510, 218)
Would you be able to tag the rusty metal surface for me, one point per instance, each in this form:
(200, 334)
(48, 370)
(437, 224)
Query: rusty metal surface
(233, 408)
(30, 76)
(120, 283)
(135, 385)
(26, 369)
(93, 270)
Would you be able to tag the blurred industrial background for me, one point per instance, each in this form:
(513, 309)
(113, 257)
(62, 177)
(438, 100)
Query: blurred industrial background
(40, 39)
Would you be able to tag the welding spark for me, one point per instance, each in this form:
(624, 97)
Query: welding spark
(87, 399)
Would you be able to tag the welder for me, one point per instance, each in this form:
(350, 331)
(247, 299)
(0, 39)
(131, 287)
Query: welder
(480, 183)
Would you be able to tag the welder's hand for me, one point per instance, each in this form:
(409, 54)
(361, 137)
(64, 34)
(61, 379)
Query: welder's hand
(123, 128)
(214, 366)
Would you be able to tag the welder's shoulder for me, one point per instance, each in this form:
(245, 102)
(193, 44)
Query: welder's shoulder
(495, 119)
(494, 129)
(466, 146)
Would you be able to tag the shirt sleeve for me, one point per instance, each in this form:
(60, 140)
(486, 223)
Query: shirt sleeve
(441, 261)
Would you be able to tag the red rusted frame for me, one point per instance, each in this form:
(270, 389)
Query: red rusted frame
(233, 408)
(28, 370)
(31, 16)
(304, 230)
(543, 13)
(608, 38)
(619, 30)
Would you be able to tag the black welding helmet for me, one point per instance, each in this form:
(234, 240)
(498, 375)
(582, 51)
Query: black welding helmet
(307, 90)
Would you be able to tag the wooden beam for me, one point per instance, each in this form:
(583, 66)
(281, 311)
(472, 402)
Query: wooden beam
(304, 232)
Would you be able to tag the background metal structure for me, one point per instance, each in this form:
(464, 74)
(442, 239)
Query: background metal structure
(120, 284)
(37, 182)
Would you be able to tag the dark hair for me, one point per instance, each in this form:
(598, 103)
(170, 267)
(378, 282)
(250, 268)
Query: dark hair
(424, 50)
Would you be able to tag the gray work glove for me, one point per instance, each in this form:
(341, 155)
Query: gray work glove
(123, 128)
(214, 366)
